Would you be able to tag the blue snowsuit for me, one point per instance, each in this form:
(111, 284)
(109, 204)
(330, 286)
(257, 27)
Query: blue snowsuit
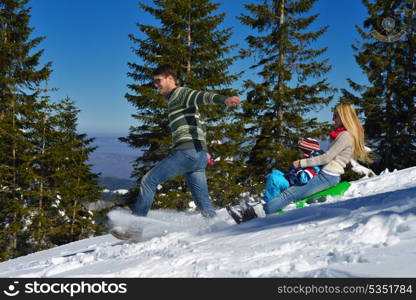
(277, 181)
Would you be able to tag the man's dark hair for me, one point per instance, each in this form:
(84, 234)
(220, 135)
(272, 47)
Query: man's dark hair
(165, 70)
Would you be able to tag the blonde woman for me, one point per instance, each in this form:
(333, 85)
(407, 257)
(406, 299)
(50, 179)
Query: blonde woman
(347, 142)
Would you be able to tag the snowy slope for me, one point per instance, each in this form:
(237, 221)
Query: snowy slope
(369, 232)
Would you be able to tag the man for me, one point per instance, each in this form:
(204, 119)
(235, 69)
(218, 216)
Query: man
(189, 154)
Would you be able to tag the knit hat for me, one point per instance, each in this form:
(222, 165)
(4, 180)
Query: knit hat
(309, 145)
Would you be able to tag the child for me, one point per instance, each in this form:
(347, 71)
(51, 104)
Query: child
(277, 181)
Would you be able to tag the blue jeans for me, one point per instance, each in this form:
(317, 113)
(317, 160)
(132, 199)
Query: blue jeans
(189, 162)
(318, 183)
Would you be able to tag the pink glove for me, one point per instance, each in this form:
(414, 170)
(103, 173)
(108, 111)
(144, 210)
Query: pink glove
(210, 160)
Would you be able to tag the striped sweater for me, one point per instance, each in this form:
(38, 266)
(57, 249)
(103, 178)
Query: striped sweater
(184, 118)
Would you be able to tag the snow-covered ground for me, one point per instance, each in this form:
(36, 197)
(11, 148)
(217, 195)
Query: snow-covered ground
(369, 232)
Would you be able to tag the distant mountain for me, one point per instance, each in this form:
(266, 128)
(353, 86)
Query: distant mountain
(113, 183)
(112, 164)
(112, 158)
(111, 144)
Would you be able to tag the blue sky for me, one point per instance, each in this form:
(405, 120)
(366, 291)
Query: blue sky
(87, 42)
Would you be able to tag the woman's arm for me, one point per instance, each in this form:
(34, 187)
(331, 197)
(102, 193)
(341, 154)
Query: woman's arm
(343, 141)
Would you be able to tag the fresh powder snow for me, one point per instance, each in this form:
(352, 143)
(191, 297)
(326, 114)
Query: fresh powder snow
(368, 232)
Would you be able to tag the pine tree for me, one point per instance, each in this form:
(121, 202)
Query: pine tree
(37, 134)
(290, 85)
(387, 56)
(44, 175)
(20, 76)
(189, 40)
(73, 182)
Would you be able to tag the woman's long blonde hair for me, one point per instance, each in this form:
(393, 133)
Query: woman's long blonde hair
(351, 123)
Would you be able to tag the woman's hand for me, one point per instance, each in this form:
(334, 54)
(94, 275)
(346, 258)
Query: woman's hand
(296, 164)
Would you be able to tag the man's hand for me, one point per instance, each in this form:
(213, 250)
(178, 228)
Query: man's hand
(232, 101)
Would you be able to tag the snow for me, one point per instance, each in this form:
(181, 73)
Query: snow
(120, 191)
(368, 232)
